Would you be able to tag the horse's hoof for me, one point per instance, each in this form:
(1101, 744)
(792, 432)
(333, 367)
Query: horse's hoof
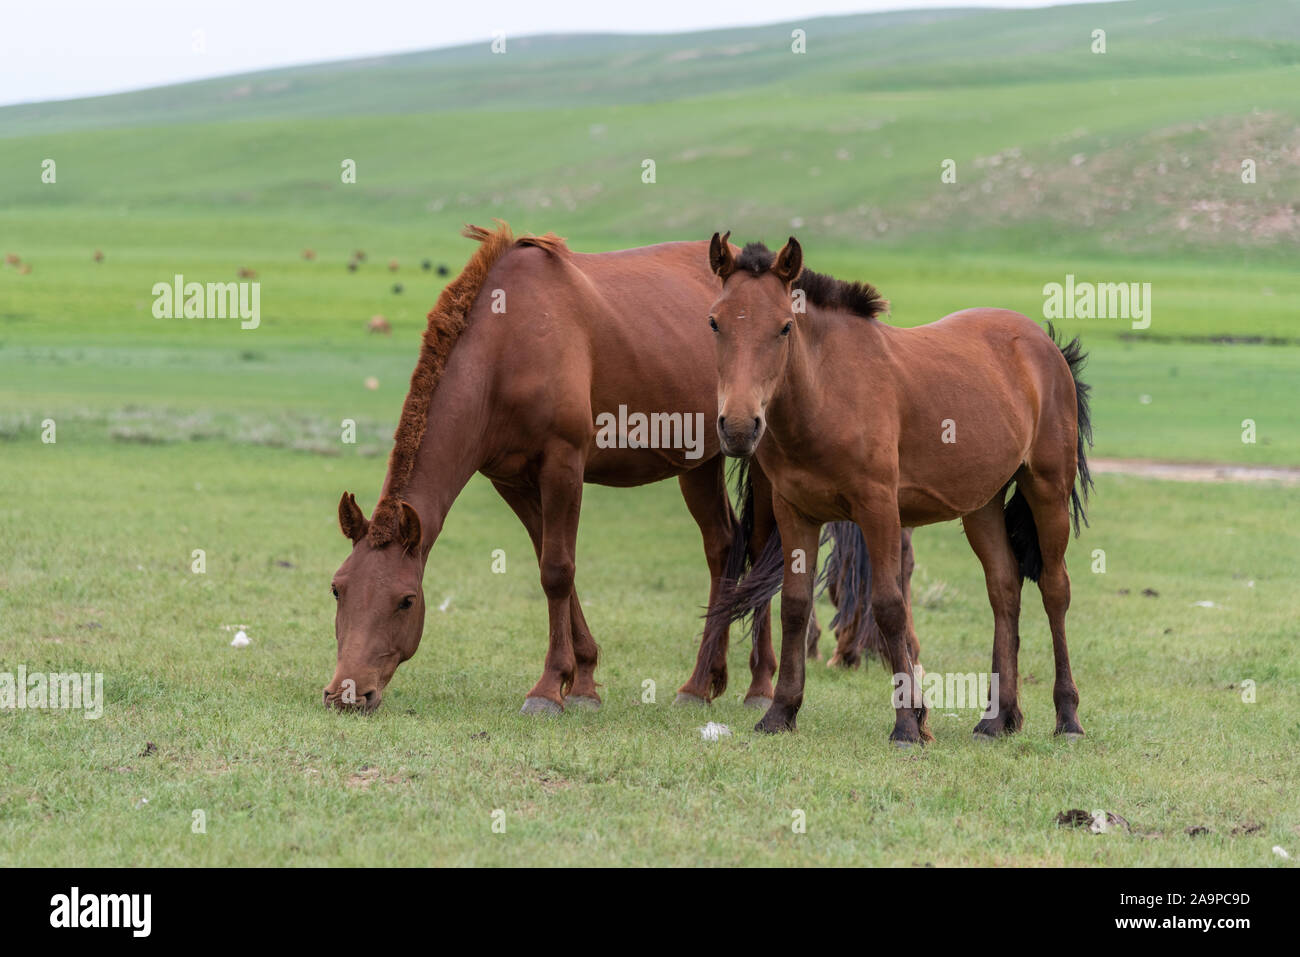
(758, 703)
(583, 702)
(904, 745)
(1071, 735)
(540, 706)
(979, 737)
(686, 698)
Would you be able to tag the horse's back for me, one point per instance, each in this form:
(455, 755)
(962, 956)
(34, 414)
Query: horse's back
(588, 336)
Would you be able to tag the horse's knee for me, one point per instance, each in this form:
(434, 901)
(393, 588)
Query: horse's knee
(1054, 583)
(557, 578)
(890, 613)
(795, 609)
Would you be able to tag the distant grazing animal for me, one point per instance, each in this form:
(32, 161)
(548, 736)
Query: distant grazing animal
(12, 259)
(99, 256)
(397, 288)
(352, 265)
(394, 265)
(359, 255)
(856, 421)
(426, 264)
(379, 324)
(24, 269)
(443, 270)
(590, 337)
(246, 273)
(309, 254)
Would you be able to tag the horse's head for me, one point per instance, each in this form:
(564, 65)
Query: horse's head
(752, 321)
(380, 614)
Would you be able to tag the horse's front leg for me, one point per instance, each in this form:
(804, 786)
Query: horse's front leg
(799, 539)
(560, 483)
(879, 522)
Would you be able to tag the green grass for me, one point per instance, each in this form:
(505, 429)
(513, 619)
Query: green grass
(182, 434)
(102, 582)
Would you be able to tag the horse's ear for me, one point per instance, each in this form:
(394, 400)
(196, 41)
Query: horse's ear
(789, 262)
(351, 519)
(408, 527)
(720, 258)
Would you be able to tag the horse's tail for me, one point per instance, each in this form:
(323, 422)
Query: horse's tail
(1019, 518)
(849, 569)
(747, 585)
(751, 585)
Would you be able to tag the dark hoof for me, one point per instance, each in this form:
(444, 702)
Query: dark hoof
(582, 702)
(771, 725)
(1071, 735)
(980, 738)
(686, 698)
(903, 745)
(1000, 726)
(758, 703)
(540, 706)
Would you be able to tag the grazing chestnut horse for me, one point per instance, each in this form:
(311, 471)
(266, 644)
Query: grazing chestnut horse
(854, 420)
(525, 351)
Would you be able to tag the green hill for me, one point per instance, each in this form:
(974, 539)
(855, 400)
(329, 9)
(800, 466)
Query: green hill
(1056, 149)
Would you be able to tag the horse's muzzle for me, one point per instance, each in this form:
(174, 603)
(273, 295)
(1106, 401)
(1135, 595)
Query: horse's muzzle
(366, 703)
(739, 437)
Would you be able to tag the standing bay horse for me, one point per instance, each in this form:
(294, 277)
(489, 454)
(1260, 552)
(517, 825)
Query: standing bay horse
(524, 351)
(854, 420)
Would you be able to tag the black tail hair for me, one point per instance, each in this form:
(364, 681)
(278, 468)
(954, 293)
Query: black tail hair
(747, 585)
(1020, 520)
(849, 567)
(750, 585)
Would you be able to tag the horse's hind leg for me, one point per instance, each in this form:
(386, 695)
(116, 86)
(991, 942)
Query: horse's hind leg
(986, 531)
(814, 637)
(1049, 500)
(705, 492)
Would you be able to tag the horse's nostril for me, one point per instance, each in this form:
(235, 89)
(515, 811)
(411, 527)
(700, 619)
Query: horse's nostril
(757, 423)
(722, 422)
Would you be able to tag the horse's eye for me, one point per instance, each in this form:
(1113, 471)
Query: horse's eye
(785, 331)
(335, 590)
(406, 603)
(713, 324)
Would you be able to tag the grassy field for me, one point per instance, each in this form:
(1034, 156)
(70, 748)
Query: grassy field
(175, 435)
(103, 583)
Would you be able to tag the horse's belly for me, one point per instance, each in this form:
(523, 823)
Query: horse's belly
(940, 493)
(626, 468)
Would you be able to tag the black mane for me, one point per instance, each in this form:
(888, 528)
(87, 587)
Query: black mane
(860, 298)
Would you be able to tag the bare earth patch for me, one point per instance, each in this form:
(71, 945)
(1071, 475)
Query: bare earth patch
(1196, 472)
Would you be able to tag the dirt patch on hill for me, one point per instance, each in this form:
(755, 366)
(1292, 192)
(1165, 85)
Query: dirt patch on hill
(1196, 472)
(1181, 182)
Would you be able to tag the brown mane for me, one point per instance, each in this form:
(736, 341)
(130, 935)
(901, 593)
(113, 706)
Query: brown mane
(860, 298)
(447, 320)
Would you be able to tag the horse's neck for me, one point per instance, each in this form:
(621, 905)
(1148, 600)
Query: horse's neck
(455, 444)
(795, 406)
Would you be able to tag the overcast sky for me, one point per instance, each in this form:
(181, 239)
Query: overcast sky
(54, 49)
